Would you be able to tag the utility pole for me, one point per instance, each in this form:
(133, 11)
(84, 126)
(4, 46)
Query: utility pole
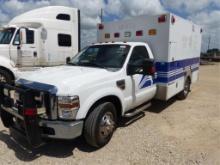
(209, 41)
(101, 16)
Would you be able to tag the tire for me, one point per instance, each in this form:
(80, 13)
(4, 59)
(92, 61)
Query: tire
(100, 125)
(183, 94)
(5, 77)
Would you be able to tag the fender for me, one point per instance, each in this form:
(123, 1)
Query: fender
(8, 64)
(94, 97)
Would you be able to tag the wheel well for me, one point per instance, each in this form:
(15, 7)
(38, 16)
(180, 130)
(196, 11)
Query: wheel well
(7, 70)
(113, 99)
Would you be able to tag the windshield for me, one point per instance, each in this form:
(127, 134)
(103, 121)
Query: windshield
(103, 56)
(6, 35)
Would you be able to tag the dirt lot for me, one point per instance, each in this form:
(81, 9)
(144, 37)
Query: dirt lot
(179, 132)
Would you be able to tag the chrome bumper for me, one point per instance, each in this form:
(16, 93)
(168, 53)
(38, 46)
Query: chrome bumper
(62, 129)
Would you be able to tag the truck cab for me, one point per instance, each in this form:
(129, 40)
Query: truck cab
(39, 38)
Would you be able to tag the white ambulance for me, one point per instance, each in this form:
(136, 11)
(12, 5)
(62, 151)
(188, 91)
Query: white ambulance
(135, 61)
(38, 38)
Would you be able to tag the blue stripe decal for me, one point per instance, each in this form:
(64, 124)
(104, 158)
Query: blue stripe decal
(145, 82)
(170, 71)
(37, 86)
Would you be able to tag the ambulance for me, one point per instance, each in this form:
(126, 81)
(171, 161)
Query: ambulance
(134, 61)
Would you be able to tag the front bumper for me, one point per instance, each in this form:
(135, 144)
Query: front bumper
(61, 129)
(20, 111)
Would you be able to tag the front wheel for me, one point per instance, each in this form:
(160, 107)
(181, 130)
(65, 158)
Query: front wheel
(100, 125)
(183, 94)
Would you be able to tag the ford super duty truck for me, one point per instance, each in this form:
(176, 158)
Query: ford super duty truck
(134, 61)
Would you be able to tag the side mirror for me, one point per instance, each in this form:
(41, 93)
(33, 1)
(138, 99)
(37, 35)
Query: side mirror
(68, 59)
(23, 36)
(147, 68)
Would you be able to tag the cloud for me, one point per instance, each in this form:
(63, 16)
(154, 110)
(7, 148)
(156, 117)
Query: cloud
(210, 22)
(203, 12)
(190, 6)
(123, 8)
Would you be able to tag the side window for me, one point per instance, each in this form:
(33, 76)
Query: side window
(64, 40)
(17, 38)
(30, 36)
(138, 55)
(65, 17)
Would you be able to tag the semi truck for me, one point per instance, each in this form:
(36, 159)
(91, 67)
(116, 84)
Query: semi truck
(39, 38)
(134, 61)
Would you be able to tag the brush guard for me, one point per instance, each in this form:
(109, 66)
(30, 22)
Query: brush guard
(19, 103)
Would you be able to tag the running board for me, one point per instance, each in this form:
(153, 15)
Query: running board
(136, 111)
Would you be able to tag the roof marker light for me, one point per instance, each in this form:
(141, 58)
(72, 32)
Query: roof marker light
(173, 20)
(139, 33)
(107, 35)
(117, 35)
(162, 19)
(152, 32)
(127, 34)
(100, 26)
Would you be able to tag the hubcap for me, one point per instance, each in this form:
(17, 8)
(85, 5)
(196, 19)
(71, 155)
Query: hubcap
(2, 78)
(186, 88)
(107, 125)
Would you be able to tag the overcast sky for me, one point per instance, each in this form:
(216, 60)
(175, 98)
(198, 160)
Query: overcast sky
(202, 12)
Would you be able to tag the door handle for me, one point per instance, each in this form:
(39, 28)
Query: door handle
(18, 47)
(35, 54)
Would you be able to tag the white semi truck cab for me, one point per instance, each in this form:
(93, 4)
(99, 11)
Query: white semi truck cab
(39, 38)
(135, 61)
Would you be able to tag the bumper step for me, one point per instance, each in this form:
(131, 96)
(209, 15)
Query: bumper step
(136, 111)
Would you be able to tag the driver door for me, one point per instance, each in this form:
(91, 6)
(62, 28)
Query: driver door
(141, 88)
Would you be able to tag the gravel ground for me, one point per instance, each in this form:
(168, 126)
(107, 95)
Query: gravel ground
(178, 132)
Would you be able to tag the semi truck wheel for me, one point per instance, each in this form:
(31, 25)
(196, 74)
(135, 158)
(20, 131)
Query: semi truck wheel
(100, 125)
(5, 77)
(183, 94)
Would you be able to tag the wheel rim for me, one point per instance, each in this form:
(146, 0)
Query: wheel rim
(3, 78)
(186, 88)
(107, 125)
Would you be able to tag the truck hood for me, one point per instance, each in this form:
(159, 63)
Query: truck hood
(63, 78)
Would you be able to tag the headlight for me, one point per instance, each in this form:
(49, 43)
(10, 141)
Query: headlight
(68, 107)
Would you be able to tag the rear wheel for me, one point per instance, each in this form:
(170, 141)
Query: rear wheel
(183, 94)
(5, 77)
(100, 125)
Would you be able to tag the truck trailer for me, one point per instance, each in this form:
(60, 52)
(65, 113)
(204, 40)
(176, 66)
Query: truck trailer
(134, 61)
(39, 38)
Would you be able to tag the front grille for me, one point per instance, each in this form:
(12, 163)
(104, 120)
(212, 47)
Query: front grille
(33, 99)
